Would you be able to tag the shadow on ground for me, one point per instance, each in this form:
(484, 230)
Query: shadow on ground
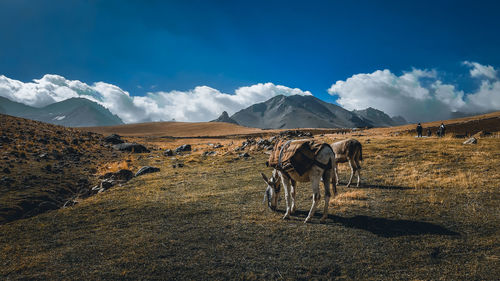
(383, 227)
(393, 187)
(373, 186)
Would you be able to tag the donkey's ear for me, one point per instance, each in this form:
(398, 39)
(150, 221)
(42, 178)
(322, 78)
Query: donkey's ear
(265, 178)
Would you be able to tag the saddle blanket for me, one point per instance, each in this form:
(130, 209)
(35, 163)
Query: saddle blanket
(298, 155)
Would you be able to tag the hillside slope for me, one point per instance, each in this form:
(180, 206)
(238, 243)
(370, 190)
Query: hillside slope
(486, 123)
(42, 165)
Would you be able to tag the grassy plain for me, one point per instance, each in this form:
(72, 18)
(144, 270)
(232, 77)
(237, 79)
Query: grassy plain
(427, 209)
(175, 129)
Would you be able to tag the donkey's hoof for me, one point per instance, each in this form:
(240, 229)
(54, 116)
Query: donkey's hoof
(322, 220)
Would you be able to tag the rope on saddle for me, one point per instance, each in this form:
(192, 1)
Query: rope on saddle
(280, 163)
(283, 148)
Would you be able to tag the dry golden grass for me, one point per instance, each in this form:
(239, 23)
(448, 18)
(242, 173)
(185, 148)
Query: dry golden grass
(427, 209)
(114, 166)
(446, 162)
(471, 125)
(192, 130)
(175, 129)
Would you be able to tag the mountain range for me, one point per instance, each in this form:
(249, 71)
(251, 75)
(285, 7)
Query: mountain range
(224, 117)
(378, 118)
(73, 112)
(287, 112)
(279, 112)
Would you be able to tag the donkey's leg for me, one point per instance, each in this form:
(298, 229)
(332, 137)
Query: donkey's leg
(286, 186)
(334, 182)
(293, 186)
(315, 178)
(358, 168)
(326, 182)
(352, 165)
(336, 166)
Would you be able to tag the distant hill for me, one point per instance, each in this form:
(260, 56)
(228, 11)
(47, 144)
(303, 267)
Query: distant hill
(74, 112)
(224, 117)
(15, 109)
(176, 129)
(400, 120)
(459, 114)
(378, 118)
(487, 123)
(286, 112)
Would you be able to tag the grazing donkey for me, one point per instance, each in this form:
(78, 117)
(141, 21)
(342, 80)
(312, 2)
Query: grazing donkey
(349, 150)
(318, 165)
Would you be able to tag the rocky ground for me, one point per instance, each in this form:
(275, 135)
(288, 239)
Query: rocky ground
(43, 167)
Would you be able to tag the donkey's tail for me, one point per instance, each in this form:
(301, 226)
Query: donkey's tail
(333, 174)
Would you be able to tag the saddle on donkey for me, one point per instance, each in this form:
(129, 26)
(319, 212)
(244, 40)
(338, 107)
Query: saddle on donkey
(297, 155)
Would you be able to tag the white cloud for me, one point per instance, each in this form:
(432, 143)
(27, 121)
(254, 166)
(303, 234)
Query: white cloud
(205, 103)
(487, 97)
(200, 104)
(418, 95)
(479, 70)
(38, 93)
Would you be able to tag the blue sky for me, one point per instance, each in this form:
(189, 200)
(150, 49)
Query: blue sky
(147, 46)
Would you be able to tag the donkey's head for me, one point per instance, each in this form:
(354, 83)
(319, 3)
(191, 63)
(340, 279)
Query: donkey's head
(272, 190)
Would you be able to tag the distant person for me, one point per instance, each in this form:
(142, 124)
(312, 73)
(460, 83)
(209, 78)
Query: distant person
(429, 132)
(442, 130)
(419, 130)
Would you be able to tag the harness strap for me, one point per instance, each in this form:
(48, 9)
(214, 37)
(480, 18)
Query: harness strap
(323, 166)
(286, 174)
(319, 164)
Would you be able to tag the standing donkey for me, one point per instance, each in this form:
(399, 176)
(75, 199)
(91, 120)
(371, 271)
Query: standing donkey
(320, 167)
(351, 151)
